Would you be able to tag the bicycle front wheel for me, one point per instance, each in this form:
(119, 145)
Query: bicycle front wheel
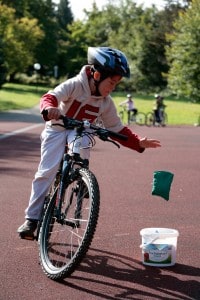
(66, 236)
(150, 119)
(121, 115)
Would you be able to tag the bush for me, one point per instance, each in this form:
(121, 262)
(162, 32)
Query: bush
(37, 79)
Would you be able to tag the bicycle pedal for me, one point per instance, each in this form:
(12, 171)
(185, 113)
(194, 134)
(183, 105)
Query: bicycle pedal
(25, 236)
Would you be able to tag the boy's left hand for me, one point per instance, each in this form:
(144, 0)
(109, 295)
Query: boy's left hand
(149, 143)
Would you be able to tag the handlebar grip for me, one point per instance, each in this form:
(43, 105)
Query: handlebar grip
(44, 112)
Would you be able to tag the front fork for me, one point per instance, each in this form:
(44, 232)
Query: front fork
(64, 181)
(68, 175)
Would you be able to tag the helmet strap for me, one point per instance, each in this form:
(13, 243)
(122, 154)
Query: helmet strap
(98, 74)
(96, 83)
(98, 77)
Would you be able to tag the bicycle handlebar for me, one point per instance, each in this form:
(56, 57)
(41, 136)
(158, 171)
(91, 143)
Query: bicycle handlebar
(70, 123)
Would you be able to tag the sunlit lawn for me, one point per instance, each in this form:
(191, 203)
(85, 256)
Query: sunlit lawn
(18, 96)
(179, 111)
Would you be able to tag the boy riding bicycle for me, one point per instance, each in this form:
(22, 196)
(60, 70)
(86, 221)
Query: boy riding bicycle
(85, 96)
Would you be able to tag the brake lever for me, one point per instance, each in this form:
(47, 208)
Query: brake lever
(116, 144)
(106, 139)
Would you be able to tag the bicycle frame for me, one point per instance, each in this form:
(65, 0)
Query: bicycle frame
(63, 178)
(69, 173)
(71, 215)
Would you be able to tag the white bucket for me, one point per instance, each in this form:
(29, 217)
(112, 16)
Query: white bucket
(159, 246)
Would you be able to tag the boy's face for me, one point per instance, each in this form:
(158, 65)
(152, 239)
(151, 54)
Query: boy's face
(108, 85)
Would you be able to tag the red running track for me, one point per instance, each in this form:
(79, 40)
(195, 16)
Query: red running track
(112, 268)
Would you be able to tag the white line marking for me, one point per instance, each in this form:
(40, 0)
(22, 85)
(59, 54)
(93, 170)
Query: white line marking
(6, 135)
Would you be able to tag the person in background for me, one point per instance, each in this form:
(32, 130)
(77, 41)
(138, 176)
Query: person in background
(158, 109)
(130, 106)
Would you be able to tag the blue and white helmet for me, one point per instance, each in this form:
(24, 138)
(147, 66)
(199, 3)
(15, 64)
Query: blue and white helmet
(108, 61)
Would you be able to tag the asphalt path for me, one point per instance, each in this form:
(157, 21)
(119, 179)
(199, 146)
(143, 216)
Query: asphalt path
(112, 268)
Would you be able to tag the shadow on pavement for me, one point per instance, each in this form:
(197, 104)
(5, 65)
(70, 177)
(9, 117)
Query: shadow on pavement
(140, 282)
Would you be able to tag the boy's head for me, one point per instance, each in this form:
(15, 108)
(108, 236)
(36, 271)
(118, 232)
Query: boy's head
(107, 64)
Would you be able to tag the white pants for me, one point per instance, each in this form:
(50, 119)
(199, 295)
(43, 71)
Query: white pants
(52, 149)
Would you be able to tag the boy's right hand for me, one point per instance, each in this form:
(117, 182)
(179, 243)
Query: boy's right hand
(53, 113)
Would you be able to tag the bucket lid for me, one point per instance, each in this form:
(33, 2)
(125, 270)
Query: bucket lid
(159, 232)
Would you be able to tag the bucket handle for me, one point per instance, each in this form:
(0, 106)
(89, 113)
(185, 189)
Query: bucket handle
(151, 241)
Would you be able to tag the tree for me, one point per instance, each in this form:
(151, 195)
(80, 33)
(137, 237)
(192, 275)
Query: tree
(19, 38)
(75, 55)
(52, 20)
(64, 14)
(20, 6)
(183, 54)
(93, 31)
(64, 18)
(46, 50)
(139, 32)
(3, 71)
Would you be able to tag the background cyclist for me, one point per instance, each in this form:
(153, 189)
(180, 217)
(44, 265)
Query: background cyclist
(158, 108)
(130, 106)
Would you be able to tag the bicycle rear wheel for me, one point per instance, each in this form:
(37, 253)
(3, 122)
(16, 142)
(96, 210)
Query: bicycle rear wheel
(164, 119)
(140, 118)
(64, 239)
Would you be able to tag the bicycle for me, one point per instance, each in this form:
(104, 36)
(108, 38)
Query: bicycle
(152, 120)
(71, 208)
(139, 118)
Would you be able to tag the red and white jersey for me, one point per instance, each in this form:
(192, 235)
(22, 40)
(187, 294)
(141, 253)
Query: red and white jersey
(73, 98)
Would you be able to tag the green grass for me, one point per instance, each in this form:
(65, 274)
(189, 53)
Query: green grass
(18, 96)
(179, 111)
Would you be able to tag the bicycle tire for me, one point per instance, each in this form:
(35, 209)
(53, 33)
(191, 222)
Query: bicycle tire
(121, 115)
(140, 118)
(61, 245)
(150, 120)
(165, 119)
